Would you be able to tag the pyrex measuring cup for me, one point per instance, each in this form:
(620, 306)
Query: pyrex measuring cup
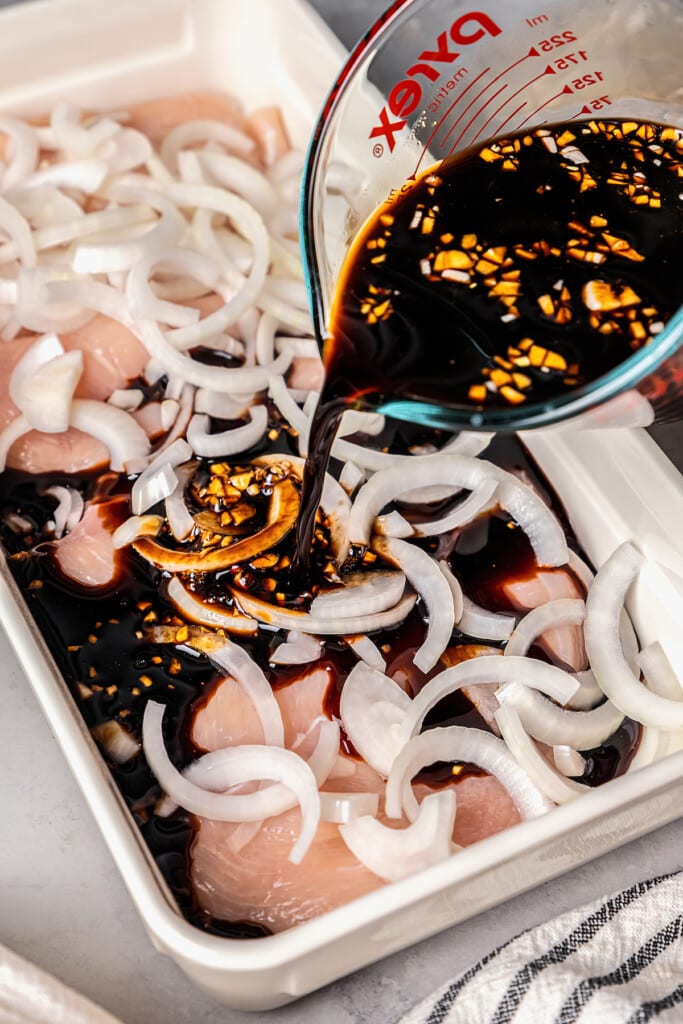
(433, 77)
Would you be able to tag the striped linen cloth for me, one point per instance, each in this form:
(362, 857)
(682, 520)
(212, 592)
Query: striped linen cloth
(616, 961)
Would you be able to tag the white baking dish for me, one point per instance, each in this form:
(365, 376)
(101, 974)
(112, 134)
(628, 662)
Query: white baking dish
(615, 486)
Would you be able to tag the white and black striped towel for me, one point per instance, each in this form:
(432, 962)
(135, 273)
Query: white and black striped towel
(616, 961)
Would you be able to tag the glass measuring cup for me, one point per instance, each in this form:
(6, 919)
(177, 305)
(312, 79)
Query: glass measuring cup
(433, 77)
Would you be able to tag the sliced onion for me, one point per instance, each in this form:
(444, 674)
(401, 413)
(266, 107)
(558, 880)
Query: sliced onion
(361, 594)
(483, 499)
(221, 406)
(364, 648)
(393, 853)
(563, 612)
(241, 178)
(192, 132)
(250, 225)
(134, 527)
(659, 672)
(228, 442)
(456, 592)
(180, 521)
(146, 486)
(279, 392)
(456, 743)
(282, 515)
(589, 693)
(426, 577)
(116, 429)
(490, 668)
(84, 175)
(69, 508)
(553, 725)
(204, 614)
(483, 624)
(235, 380)
(238, 663)
(112, 219)
(540, 525)
(569, 761)
(128, 399)
(23, 151)
(118, 743)
(142, 300)
(373, 708)
(246, 764)
(357, 422)
(288, 618)
(393, 525)
(96, 258)
(299, 649)
(341, 808)
(556, 787)
(604, 646)
(151, 488)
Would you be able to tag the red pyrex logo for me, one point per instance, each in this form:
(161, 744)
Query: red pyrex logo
(406, 95)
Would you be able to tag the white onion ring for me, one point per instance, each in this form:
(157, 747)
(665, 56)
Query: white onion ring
(228, 442)
(540, 525)
(481, 500)
(489, 668)
(556, 787)
(116, 429)
(247, 764)
(570, 762)
(241, 666)
(425, 576)
(360, 594)
(341, 808)
(604, 646)
(298, 649)
(69, 502)
(203, 130)
(172, 456)
(483, 624)
(180, 521)
(456, 592)
(565, 611)
(287, 618)
(135, 527)
(393, 853)
(214, 616)
(455, 743)
(11, 433)
(551, 724)
(99, 258)
(372, 708)
(659, 673)
(368, 651)
(145, 304)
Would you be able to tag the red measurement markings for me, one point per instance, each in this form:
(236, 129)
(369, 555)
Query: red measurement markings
(445, 116)
(474, 118)
(533, 52)
(567, 91)
(549, 70)
(500, 126)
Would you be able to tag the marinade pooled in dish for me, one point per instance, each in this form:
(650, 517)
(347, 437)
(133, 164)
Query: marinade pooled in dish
(156, 403)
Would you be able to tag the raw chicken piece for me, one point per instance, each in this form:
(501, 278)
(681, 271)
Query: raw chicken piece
(564, 643)
(259, 884)
(156, 118)
(149, 418)
(483, 809)
(306, 373)
(112, 357)
(87, 555)
(229, 717)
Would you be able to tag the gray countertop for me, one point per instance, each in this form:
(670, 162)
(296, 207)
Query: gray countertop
(63, 905)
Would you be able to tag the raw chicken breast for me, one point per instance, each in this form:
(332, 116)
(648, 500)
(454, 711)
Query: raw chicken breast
(268, 128)
(87, 555)
(112, 357)
(156, 118)
(566, 642)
